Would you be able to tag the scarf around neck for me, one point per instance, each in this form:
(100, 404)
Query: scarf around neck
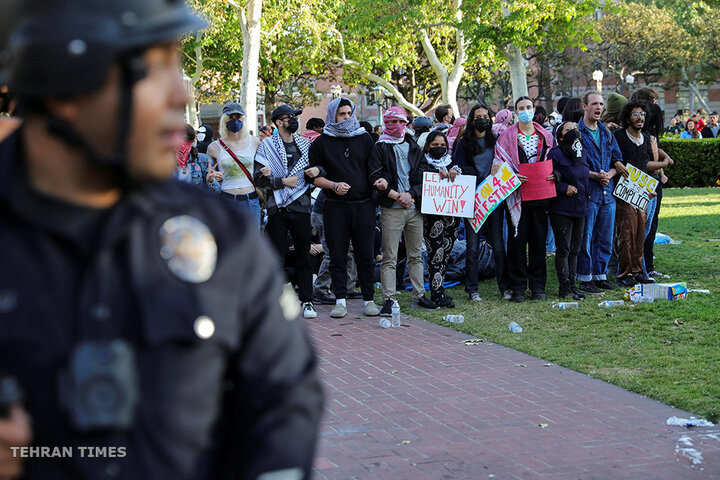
(349, 127)
(182, 153)
(271, 153)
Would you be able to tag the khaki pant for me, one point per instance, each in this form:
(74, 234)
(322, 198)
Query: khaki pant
(629, 239)
(395, 221)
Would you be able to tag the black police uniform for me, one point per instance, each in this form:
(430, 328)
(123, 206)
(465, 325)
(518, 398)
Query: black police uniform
(233, 398)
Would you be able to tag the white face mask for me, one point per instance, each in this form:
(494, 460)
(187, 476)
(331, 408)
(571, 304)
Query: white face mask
(201, 134)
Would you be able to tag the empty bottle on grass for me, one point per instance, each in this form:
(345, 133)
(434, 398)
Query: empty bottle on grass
(514, 327)
(611, 303)
(565, 305)
(395, 314)
(645, 300)
(454, 318)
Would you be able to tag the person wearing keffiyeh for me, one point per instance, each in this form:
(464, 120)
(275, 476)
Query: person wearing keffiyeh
(397, 165)
(281, 164)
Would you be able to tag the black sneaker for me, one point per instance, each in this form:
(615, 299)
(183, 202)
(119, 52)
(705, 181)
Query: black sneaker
(443, 301)
(642, 278)
(589, 287)
(626, 282)
(604, 284)
(424, 302)
(354, 295)
(323, 298)
(577, 294)
(538, 296)
(386, 310)
(517, 297)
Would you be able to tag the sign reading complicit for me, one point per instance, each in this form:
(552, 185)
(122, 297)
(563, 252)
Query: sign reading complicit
(636, 188)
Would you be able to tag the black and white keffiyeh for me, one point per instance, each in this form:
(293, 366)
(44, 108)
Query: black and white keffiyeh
(271, 153)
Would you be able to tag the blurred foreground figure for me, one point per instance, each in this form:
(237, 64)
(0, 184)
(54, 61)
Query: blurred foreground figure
(140, 353)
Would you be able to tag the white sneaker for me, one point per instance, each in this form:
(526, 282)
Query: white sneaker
(308, 310)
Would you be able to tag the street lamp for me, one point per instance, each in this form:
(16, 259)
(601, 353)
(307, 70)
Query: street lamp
(336, 90)
(379, 94)
(597, 75)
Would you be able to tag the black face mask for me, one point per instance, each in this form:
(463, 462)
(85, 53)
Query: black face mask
(293, 125)
(571, 145)
(482, 124)
(437, 152)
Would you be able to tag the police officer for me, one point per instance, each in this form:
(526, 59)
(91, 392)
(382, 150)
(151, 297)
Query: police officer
(144, 319)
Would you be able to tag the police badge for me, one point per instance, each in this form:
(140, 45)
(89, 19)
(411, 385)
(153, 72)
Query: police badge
(189, 248)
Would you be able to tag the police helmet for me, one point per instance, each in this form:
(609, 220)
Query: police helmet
(66, 47)
(421, 123)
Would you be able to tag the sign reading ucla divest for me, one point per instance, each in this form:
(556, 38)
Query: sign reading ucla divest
(491, 193)
(443, 197)
(636, 188)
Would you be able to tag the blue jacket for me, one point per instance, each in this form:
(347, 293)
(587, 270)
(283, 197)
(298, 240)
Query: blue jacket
(602, 158)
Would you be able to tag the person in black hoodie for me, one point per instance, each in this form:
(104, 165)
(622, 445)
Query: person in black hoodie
(204, 137)
(474, 155)
(568, 209)
(339, 163)
(397, 165)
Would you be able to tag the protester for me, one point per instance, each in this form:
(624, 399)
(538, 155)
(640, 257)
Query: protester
(611, 117)
(265, 132)
(204, 137)
(690, 130)
(444, 118)
(455, 132)
(474, 154)
(440, 231)
(396, 171)
(573, 110)
(313, 129)
(636, 150)
(675, 126)
(146, 324)
(699, 120)
(192, 166)
(234, 153)
(712, 129)
(503, 120)
(560, 107)
(568, 209)
(525, 142)
(541, 117)
(340, 156)
(281, 165)
(603, 154)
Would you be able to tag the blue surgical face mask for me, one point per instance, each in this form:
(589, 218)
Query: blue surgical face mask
(234, 125)
(526, 116)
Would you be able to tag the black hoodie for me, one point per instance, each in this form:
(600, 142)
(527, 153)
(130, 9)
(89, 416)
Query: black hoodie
(203, 146)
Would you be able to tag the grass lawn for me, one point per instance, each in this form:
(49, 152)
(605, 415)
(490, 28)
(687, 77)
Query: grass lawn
(669, 351)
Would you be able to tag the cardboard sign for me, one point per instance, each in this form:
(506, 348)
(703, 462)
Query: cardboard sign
(636, 188)
(537, 187)
(491, 193)
(443, 197)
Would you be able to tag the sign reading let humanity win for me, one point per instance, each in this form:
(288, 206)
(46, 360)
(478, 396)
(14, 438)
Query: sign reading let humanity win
(443, 197)
(636, 188)
(491, 193)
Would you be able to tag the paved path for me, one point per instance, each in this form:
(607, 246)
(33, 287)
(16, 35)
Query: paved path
(416, 403)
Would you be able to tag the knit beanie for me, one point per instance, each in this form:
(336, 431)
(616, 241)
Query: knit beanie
(615, 104)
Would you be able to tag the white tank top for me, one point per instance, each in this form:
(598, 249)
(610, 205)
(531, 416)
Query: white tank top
(234, 177)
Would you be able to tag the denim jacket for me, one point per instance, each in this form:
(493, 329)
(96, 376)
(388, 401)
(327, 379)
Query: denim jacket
(602, 158)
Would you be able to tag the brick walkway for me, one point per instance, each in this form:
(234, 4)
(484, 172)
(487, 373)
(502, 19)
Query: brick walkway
(416, 403)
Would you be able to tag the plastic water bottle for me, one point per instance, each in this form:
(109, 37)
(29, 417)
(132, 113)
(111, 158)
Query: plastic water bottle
(395, 314)
(565, 305)
(385, 323)
(611, 303)
(454, 318)
(645, 300)
(514, 327)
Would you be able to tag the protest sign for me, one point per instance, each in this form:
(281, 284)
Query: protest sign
(636, 188)
(491, 193)
(443, 197)
(537, 187)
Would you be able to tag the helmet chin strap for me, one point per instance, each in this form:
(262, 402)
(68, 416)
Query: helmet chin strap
(132, 69)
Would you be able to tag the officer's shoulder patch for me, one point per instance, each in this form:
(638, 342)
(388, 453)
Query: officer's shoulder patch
(189, 248)
(289, 303)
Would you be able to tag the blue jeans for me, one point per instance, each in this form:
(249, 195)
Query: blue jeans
(597, 242)
(248, 205)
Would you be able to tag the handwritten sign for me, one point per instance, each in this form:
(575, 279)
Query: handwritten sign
(491, 193)
(442, 197)
(537, 187)
(636, 188)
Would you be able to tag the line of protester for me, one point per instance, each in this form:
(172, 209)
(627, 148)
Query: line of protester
(344, 194)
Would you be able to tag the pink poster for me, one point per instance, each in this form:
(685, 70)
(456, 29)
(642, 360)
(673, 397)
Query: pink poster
(537, 187)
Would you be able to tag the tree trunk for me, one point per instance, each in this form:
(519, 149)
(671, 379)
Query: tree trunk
(516, 66)
(269, 104)
(250, 22)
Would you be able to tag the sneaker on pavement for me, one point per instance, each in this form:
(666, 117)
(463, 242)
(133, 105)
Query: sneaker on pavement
(424, 302)
(386, 310)
(372, 310)
(339, 311)
(589, 287)
(308, 310)
(604, 284)
(475, 297)
(322, 298)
